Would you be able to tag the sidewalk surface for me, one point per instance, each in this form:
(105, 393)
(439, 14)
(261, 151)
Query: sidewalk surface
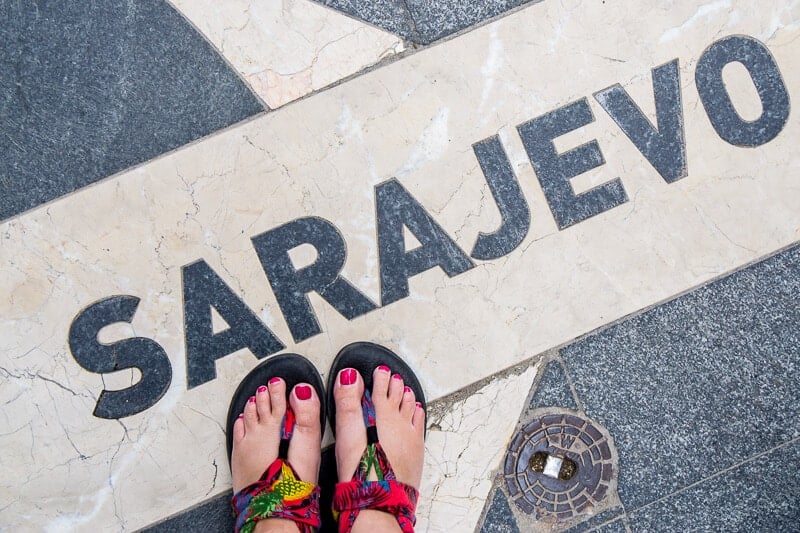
(578, 221)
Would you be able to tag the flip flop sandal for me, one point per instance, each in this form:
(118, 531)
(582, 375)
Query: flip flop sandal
(278, 493)
(387, 494)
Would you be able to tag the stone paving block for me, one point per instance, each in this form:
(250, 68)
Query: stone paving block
(600, 522)
(499, 518)
(617, 526)
(435, 19)
(391, 15)
(100, 86)
(698, 384)
(760, 495)
(286, 50)
(553, 388)
(213, 515)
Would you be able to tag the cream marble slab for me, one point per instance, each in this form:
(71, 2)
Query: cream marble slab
(416, 119)
(463, 449)
(289, 48)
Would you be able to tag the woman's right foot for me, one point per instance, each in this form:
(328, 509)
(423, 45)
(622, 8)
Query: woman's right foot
(400, 421)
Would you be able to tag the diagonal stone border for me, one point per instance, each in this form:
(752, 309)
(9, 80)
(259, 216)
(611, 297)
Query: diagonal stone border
(100, 86)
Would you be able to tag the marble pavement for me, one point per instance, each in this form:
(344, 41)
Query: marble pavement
(585, 205)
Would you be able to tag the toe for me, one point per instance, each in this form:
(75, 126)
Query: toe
(347, 393)
(396, 387)
(262, 403)
(304, 448)
(305, 404)
(250, 413)
(277, 396)
(380, 382)
(351, 434)
(238, 430)
(418, 420)
(409, 403)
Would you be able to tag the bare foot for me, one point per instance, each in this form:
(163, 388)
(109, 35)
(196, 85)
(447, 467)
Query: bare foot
(257, 435)
(400, 421)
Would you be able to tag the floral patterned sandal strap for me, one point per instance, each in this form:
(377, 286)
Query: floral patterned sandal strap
(278, 493)
(386, 494)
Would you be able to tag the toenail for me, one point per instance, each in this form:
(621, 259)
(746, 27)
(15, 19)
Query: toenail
(419, 405)
(273, 381)
(397, 376)
(384, 368)
(348, 376)
(303, 392)
(262, 388)
(241, 415)
(251, 399)
(407, 389)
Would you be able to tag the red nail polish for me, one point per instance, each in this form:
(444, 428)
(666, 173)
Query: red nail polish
(397, 376)
(241, 415)
(251, 399)
(384, 368)
(348, 376)
(273, 381)
(419, 405)
(262, 388)
(303, 392)
(407, 389)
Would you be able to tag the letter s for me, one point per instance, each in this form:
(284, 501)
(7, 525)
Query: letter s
(137, 352)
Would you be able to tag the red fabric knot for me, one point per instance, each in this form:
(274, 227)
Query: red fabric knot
(393, 497)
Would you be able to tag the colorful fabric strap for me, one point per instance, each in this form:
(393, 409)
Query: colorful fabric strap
(278, 493)
(386, 494)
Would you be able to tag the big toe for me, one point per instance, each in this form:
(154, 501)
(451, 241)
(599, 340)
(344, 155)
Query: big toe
(351, 436)
(304, 447)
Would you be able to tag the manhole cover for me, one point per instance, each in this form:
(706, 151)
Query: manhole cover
(559, 466)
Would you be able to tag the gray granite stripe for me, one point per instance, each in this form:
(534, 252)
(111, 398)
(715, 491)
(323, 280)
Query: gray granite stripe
(424, 21)
(700, 383)
(760, 495)
(92, 87)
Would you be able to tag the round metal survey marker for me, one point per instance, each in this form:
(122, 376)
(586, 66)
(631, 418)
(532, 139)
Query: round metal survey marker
(559, 465)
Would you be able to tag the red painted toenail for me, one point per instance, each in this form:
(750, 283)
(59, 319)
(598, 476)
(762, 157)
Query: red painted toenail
(407, 389)
(384, 368)
(273, 381)
(262, 388)
(241, 415)
(397, 376)
(303, 392)
(348, 376)
(419, 405)
(251, 399)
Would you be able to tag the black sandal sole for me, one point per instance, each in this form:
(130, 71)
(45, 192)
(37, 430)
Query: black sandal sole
(364, 357)
(290, 367)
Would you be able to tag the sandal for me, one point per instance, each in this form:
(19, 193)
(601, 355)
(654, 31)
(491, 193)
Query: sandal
(278, 493)
(387, 494)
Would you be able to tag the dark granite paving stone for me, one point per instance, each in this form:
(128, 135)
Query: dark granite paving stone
(435, 19)
(617, 526)
(700, 383)
(391, 15)
(91, 87)
(601, 519)
(553, 389)
(213, 515)
(761, 495)
(499, 518)
(423, 21)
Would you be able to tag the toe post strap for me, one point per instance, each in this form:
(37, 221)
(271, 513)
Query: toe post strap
(278, 494)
